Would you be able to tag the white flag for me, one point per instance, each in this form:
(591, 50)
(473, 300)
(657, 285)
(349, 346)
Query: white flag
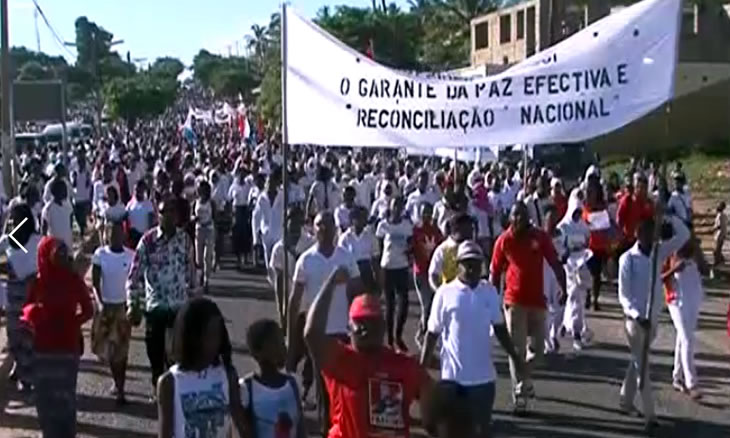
(613, 72)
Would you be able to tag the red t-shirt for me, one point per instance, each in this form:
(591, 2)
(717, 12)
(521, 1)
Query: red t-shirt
(523, 259)
(600, 240)
(371, 394)
(630, 213)
(425, 240)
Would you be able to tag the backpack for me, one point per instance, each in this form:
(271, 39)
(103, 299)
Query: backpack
(251, 413)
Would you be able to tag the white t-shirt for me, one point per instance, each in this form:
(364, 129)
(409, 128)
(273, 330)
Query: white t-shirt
(276, 262)
(312, 271)
(395, 243)
(342, 216)
(463, 316)
(139, 214)
(115, 268)
(114, 213)
(204, 214)
(23, 264)
(82, 186)
(58, 218)
(363, 247)
(239, 194)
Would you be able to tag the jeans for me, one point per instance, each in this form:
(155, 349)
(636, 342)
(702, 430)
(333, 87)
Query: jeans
(157, 323)
(396, 285)
(523, 323)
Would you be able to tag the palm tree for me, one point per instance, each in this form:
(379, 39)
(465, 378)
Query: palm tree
(466, 10)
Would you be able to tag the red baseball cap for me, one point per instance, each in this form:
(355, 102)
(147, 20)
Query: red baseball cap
(365, 306)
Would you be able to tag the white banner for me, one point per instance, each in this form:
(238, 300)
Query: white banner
(613, 72)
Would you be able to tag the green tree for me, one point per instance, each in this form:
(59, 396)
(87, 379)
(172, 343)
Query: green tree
(167, 67)
(140, 96)
(35, 71)
(395, 34)
(20, 56)
(233, 76)
(93, 43)
(204, 64)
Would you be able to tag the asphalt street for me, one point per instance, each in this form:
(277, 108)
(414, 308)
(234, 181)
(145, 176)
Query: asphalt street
(577, 394)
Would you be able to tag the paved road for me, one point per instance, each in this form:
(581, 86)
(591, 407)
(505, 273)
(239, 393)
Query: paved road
(577, 394)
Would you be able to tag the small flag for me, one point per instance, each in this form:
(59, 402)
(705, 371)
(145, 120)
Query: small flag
(370, 51)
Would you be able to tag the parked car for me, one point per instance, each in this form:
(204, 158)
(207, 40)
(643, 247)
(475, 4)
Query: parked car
(25, 139)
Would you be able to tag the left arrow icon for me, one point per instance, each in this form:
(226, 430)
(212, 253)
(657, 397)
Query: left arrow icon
(13, 237)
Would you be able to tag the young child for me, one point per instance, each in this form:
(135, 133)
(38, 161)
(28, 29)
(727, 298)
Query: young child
(204, 232)
(578, 277)
(360, 241)
(202, 376)
(720, 230)
(270, 397)
(554, 319)
(684, 299)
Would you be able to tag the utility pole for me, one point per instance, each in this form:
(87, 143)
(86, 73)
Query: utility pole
(37, 34)
(7, 126)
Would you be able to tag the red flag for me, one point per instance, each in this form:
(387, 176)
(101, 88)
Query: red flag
(370, 51)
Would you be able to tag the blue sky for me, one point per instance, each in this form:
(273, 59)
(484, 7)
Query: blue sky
(153, 28)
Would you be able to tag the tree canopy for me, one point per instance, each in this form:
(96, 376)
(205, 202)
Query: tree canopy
(139, 96)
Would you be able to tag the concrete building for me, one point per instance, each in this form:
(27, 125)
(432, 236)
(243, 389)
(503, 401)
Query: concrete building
(701, 109)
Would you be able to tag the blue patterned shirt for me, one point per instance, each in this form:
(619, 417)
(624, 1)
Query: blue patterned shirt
(163, 271)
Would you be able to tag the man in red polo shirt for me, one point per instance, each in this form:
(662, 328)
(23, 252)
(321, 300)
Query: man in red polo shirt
(370, 386)
(519, 252)
(633, 209)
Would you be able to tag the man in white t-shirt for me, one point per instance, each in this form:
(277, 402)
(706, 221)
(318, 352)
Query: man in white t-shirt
(110, 268)
(313, 267)
(462, 313)
(422, 195)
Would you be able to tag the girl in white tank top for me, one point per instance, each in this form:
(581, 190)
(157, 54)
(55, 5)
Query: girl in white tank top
(199, 396)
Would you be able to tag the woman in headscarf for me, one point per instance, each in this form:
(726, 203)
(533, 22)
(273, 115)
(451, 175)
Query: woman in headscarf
(577, 235)
(21, 270)
(53, 314)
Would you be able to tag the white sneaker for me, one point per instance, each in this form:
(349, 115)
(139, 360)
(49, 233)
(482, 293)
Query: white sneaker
(586, 336)
(577, 345)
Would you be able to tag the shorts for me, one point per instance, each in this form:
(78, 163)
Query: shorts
(111, 333)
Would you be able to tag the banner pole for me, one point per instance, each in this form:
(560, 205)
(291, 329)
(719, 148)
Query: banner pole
(285, 155)
(524, 167)
(644, 366)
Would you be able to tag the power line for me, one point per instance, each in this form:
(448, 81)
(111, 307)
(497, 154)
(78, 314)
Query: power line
(58, 39)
